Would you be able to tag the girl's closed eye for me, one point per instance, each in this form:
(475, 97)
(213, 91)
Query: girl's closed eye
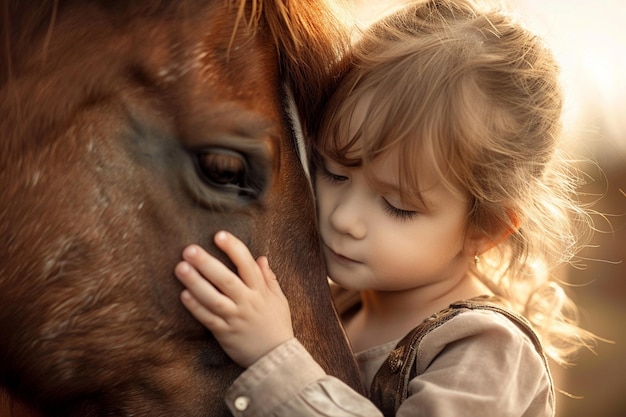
(400, 214)
(331, 177)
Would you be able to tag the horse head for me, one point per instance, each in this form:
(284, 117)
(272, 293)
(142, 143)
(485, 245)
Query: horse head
(129, 130)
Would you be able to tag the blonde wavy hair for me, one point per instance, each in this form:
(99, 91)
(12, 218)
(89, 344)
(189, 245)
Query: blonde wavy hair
(466, 91)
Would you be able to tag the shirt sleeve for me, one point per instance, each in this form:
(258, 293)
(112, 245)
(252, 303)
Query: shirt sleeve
(289, 382)
(479, 364)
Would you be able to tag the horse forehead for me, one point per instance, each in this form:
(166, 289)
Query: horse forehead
(180, 48)
(224, 54)
(197, 67)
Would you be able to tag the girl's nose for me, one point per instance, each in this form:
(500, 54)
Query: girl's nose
(346, 216)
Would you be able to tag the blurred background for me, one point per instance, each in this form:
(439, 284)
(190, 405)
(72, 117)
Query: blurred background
(589, 40)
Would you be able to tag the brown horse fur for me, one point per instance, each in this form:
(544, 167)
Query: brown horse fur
(108, 110)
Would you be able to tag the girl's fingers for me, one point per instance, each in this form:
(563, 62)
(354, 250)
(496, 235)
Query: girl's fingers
(204, 294)
(240, 255)
(211, 269)
(267, 272)
(211, 321)
(271, 281)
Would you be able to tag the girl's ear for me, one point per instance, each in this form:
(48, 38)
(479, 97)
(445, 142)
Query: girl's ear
(480, 241)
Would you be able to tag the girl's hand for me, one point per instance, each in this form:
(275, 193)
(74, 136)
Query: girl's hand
(248, 314)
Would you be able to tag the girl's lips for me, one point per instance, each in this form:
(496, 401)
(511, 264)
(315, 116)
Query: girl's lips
(340, 258)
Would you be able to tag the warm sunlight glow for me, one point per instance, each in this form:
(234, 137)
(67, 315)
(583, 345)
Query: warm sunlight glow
(589, 41)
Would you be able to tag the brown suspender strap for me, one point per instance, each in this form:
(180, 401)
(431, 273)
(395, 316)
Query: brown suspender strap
(390, 386)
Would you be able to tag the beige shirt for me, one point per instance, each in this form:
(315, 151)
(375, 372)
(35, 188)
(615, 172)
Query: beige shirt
(477, 364)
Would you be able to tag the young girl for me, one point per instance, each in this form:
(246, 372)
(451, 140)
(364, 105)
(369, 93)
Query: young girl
(444, 204)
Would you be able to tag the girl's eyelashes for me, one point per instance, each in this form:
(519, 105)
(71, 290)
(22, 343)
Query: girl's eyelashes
(329, 176)
(397, 213)
(393, 211)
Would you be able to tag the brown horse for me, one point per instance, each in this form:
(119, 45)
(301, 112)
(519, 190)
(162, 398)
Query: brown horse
(128, 130)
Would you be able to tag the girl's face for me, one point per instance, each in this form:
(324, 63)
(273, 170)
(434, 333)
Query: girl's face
(374, 241)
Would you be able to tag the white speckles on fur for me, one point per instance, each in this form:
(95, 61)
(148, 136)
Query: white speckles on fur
(184, 60)
(54, 255)
(35, 178)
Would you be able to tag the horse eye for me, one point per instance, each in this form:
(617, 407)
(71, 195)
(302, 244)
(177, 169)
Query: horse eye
(222, 168)
(225, 170)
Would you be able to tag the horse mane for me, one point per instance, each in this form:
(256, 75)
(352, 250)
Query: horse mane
(312, 38)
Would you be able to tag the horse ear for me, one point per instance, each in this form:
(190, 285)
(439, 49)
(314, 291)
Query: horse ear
(313, 40)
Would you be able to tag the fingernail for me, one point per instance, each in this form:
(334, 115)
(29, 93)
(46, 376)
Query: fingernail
(221, 235)
(191, 250)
